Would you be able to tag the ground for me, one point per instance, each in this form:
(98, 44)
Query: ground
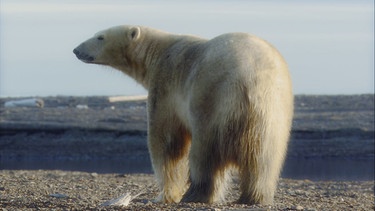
(61, 190)
(111, 137)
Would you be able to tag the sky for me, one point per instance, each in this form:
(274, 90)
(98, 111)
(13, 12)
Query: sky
(328, 45)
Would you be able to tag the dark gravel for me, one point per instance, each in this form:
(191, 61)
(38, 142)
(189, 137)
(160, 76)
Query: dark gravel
(66, 190)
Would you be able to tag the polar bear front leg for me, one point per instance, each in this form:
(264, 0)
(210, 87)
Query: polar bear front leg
(169, 145)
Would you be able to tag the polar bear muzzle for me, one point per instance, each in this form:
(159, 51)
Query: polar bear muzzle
(83, 56)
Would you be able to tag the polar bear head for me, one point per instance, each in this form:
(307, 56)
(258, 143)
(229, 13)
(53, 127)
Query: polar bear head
(109, 47)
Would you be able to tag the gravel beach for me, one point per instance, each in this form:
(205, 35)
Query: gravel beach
(67, 190)
(92, 130)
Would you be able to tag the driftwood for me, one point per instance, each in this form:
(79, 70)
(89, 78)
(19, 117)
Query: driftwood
(126, 98)
(31, 102)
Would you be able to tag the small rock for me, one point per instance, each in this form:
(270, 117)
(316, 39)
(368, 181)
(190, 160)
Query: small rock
(147, 202)
(291, 192)
(110, 108)
(298, 207)
(300, 192)
(58, 195)
(82, 106)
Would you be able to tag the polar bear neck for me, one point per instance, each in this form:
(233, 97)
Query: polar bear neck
(143, 58)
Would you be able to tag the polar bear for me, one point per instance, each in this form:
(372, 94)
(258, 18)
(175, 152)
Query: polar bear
(213, 105)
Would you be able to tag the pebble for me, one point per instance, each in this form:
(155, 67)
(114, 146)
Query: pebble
(82, 106)
(58, 195)
(298, 207)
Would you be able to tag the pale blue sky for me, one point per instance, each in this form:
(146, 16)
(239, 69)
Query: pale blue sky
(329, 45)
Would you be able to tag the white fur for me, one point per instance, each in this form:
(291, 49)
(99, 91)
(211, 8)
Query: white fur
(213, 105)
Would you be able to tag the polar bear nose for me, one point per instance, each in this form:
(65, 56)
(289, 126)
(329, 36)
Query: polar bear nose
(75, 51)
(82, 56)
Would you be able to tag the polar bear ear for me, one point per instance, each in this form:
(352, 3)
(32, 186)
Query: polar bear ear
(134, 33)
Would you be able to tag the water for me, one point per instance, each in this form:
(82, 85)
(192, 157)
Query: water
(316, 169)
(121, 166)
(329, 169)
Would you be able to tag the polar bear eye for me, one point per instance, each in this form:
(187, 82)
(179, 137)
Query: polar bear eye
(100, 38)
